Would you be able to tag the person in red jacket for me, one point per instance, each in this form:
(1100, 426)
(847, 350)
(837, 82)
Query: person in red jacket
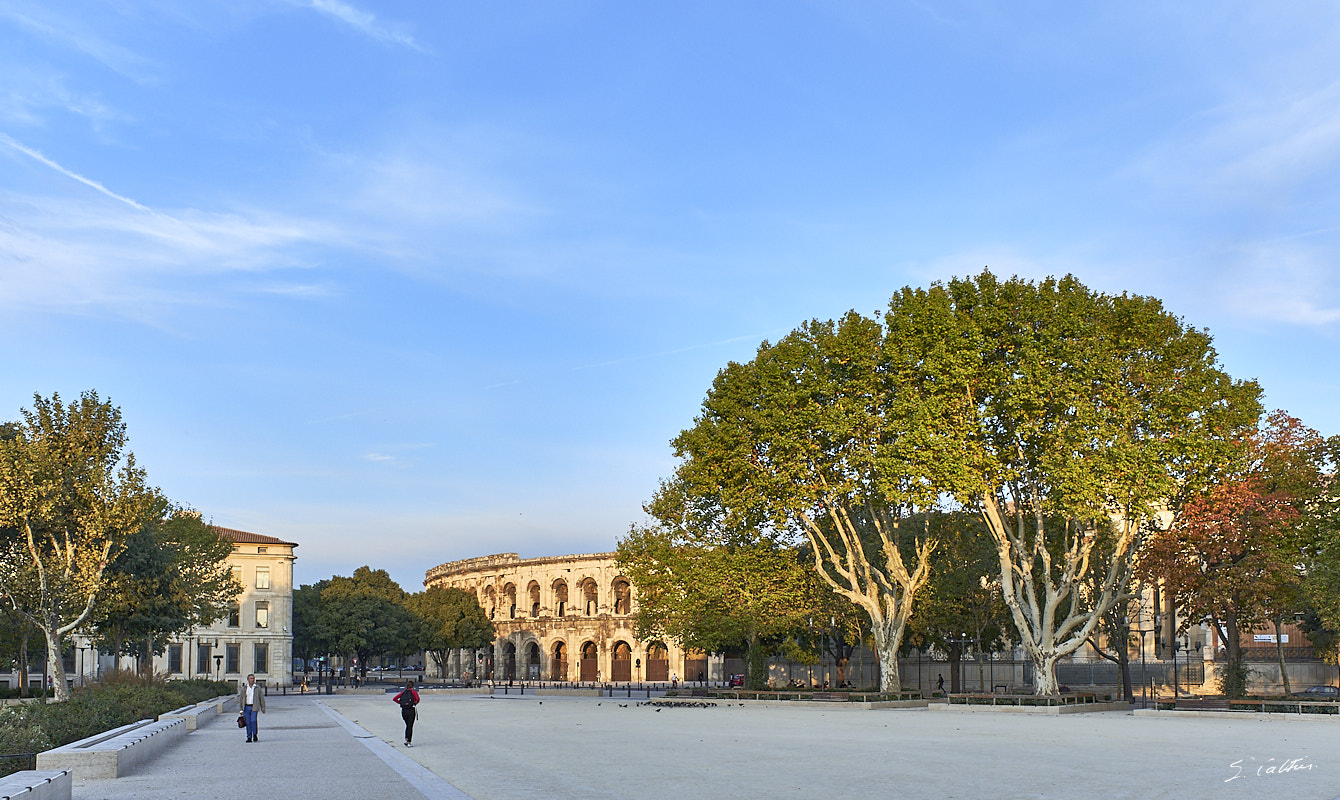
(408, 700)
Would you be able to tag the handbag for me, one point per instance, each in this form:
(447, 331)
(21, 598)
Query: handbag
(241, 721)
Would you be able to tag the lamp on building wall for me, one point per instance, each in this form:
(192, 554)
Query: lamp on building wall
(218, 661)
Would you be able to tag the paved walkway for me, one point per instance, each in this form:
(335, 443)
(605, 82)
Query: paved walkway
(522, 748)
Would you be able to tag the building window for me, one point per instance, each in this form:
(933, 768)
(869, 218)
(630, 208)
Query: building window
(233, 659)
(262, 577)
(260, 549)
(262, 614)
(261, 658)
(237, 576)
(235, 616)
(174, 659)
(202, 664)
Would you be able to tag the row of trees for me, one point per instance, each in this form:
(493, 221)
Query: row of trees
(1005, 459)
(369, 616)
(86, 544)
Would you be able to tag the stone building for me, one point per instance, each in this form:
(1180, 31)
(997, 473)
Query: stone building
(561, 618)
(255, 636)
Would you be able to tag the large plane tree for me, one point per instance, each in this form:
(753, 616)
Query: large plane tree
(70, 494)
(1073, 422)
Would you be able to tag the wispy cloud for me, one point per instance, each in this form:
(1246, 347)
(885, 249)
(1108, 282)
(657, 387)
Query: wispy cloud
(365, 22)
(1250, 144)
(71, 31)
(85, 245)
(1283, 282)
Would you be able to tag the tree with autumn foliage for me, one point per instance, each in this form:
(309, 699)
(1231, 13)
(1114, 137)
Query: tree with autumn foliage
(1235, 553)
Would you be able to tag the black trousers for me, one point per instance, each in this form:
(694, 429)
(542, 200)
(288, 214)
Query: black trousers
(407, 714)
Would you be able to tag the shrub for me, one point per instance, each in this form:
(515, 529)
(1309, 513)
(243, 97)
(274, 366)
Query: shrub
(116, 700)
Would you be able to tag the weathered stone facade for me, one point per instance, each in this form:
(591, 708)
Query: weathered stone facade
(561, 618)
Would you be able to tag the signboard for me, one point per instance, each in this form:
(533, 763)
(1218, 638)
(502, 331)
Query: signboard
(1270, 637)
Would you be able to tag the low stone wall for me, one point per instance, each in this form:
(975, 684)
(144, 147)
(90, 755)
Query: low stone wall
(1074, 708)
(36, 784)
(116, 752)
(196, 714)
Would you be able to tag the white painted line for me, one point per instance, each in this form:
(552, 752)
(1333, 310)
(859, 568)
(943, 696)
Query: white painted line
(420, 777)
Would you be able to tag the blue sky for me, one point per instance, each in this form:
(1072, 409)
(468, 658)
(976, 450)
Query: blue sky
(409, 282)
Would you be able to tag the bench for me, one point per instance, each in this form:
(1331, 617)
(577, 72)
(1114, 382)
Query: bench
(1202, 704)
(697, 693)
(840, 697)
(117, 752)
(36, 784)
(195, 714)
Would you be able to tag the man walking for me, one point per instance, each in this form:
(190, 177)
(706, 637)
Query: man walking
(249, 698)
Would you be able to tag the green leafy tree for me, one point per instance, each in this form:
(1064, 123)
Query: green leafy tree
(70, 494)
(449, 619)
(365, 616)
(310, 639)
(1069, 420)
(962, 603)
(1321, 559)
(711, 596)
(172, 575)
(806, 441)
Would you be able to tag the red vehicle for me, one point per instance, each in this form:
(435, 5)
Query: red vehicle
(737, 680)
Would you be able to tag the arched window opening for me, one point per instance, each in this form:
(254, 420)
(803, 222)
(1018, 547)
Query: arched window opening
(509, 593)
(534, 591)
(590, 664)
(560, 597)
(621, 668)
(491, 602)
(533, 661)
(658, 663)
(558, 667)
(590, 597)
(509, 661)
(622, 596)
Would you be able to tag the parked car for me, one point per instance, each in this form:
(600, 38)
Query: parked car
(737, 680)
(1321, 693)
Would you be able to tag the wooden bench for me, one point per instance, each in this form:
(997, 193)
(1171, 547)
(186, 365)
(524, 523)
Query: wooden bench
(1202, 704)
(36, 784)
(697, 693)
(116, 752)
(840, 697)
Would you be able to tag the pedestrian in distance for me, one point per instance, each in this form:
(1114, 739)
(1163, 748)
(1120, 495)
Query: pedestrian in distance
(939, 682)
(250, 698)
(408, 701)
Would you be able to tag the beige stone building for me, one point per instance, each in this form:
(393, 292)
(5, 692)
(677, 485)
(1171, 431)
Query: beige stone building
(256, 635)
(561, 618)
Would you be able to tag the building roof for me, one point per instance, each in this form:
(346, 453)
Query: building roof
(244, 537)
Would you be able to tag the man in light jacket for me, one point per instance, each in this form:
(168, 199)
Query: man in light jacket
(249, 698)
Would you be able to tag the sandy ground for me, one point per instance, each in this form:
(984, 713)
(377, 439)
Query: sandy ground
(552, 747)
(560, 748)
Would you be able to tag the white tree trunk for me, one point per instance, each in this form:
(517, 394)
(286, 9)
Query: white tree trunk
(56, 665)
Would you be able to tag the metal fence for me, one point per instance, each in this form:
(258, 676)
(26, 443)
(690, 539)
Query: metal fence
(17, 762)
(1106, 673)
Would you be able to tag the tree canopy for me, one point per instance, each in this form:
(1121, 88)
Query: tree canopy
(70, 495)
(449, 619)
(711, 596)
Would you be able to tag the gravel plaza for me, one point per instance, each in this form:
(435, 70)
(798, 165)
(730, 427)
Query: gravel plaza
(472, 747)
(520, 748)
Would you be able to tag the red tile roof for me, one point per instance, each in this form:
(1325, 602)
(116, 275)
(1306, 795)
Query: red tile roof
(243, 537)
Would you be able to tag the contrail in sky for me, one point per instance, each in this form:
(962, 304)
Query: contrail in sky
(89, 182)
